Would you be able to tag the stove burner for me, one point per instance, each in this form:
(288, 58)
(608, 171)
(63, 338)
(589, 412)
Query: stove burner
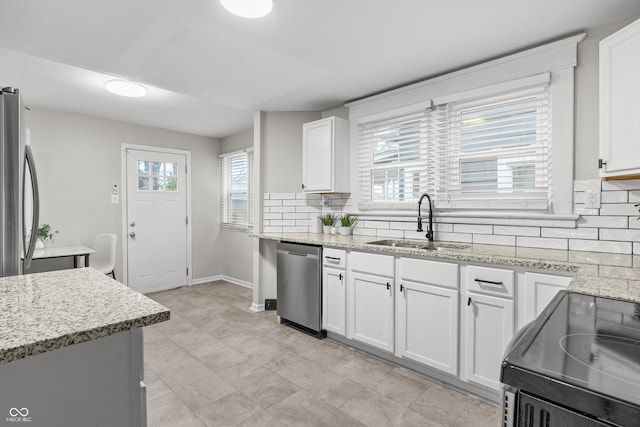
(612, 356)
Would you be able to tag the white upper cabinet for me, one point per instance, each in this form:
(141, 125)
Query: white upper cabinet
(325, 156)
(619, 107)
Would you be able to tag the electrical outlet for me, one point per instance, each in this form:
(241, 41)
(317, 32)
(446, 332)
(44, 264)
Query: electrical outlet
(592, 199)
(115, 199)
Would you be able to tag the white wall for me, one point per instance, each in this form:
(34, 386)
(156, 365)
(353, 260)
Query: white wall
(237, 246)
(281, 150)
(78, 161)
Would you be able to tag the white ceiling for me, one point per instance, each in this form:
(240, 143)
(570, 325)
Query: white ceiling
(208, 71)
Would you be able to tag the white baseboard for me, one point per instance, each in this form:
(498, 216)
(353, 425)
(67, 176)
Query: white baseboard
(232, 280)
(202, 280)
(256, 307)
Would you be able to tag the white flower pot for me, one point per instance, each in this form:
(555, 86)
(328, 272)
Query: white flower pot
(345, 231)
(334, 230)
(39, 244)
(326, 229)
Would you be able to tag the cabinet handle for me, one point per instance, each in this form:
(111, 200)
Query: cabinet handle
(469, 301)
(388, 286)
(340, 276)
(303, 186)
(489, 282)
(401, 287)
(332, 259)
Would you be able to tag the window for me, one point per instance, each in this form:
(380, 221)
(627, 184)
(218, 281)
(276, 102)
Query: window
(482, 151)
(157, 176)
(393, 159)
(485, 177)
(236, 190)
(497, 151)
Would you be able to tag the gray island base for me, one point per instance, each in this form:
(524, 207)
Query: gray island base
(71, 350)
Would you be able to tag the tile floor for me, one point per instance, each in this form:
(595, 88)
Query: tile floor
(216, 363)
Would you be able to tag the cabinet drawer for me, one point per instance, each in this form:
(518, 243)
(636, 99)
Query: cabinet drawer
(376, 264)
(431, 272)
(491, 281)
(334, 257)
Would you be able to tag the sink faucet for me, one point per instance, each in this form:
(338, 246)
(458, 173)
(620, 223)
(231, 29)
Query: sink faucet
(429, 234)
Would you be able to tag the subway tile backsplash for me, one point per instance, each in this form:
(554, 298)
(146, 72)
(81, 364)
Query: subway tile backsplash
(612, 228)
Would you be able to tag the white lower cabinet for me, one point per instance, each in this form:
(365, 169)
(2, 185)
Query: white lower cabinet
(370, 310)
(488, 328)
(334, 291)
(428, 325)
(539, 290)
(334, 301)
(427, 313)
(454, 318)
(370, 307)
(489, 322)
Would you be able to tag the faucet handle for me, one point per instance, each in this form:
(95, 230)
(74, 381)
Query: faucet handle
(419, 224)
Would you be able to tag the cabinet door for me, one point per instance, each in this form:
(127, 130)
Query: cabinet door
(334, 298)
(428, 325)
(539, 291)
(619, 108)
(317, 156)
(488, 329)
(370, 310)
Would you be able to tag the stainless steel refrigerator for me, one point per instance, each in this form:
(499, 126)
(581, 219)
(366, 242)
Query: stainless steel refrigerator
(19, 201)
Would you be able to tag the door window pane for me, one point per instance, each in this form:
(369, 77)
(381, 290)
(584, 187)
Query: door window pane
(171, 184)
(156, 168)
(143, 167)
(170, 169)
(143, 182)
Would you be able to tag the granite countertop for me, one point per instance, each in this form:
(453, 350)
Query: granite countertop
(47, 311)
(601, 274)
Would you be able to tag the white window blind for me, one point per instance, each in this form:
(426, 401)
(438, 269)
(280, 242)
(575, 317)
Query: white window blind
(494, 152)
(393, 160)
(236, 199)
(490, 152)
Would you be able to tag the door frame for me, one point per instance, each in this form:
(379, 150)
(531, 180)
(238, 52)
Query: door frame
(123, 192)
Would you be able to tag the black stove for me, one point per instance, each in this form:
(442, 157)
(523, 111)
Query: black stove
(578, 363)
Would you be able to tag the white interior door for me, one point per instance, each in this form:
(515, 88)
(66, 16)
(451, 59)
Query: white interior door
(156, 220)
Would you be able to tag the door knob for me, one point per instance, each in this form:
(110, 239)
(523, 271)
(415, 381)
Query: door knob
(132, 234)
(133, 224)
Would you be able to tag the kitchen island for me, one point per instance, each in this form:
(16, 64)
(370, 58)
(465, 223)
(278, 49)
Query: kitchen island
(71, 350)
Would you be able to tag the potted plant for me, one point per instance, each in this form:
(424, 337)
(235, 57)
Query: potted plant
(327, 220)
(346, 224)
(44, 233)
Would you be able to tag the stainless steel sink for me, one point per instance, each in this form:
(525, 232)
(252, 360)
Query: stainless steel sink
(416, 244)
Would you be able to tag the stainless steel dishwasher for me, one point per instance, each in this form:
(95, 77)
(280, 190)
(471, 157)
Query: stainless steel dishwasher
(300, 285)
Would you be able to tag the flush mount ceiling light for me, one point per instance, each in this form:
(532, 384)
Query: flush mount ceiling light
(126, 88)
(248, 8)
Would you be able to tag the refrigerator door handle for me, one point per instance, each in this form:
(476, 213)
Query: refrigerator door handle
(30, 248)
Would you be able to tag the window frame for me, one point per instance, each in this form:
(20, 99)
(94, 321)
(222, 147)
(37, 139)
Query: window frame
(558, 59)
